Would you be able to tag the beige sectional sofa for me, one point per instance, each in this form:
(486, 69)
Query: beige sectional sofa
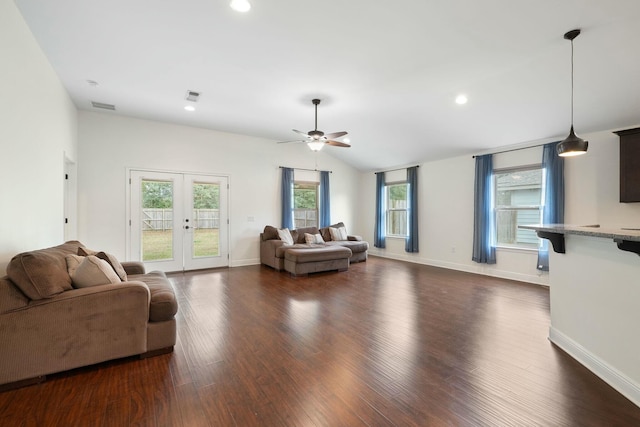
(48, 325)
(302, 258)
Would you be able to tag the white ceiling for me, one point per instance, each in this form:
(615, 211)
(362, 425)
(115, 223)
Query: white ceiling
(386, 71)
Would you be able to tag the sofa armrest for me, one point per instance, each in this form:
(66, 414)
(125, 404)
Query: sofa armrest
(268, 250)
(354, 238)
(133, 267)
(73, 329)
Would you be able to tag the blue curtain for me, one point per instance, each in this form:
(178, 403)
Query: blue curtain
(325, 200)
(553, 208)
(379, 232)
(287, 198)
(483, 219)
(411, 244)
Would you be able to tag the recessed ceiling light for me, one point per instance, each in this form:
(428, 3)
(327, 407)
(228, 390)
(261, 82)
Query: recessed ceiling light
(461, 99)
(190, 108)
(240, 5)
(346, 140)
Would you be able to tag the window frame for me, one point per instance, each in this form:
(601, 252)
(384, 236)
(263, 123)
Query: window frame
(511, 208)
(316, 186)
(388, 209)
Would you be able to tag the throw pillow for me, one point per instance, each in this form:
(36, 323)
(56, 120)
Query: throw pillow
(313, 238)
(285, 236)
(112, 260)
(338, 234)
(93, 271)
(73, 261)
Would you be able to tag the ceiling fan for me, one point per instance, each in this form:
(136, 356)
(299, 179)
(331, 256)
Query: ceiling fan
(316, 139)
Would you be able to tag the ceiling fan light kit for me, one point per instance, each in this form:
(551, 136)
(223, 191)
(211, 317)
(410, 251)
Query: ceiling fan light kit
(316, 139)
(572, 145)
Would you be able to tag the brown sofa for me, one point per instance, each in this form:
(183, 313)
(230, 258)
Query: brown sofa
(47, 325)
(273, 251)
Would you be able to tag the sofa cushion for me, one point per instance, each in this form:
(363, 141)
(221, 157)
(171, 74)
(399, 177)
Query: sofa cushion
(42, 273)
(163, 305)
(280, 250)
(355, 246)
(110, 259)
(317, 254)
(270, 233)
(285, 236)
(93, 271)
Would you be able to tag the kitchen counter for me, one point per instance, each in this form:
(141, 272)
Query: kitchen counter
(594, 290)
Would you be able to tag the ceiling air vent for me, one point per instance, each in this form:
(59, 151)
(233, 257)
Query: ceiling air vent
(192, 96)
(103, 105)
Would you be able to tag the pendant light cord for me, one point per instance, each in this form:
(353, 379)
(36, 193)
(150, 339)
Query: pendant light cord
(572, 83)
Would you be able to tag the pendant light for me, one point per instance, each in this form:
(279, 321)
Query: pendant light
(573, 145)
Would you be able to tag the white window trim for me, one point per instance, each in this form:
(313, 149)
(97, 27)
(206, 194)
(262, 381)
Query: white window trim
(387, 209)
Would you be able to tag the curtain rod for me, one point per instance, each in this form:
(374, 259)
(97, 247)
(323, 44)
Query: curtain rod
(393, 170)
(303, 169)
(515, 149)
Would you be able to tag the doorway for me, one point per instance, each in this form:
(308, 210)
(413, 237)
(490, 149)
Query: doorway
(178, 221)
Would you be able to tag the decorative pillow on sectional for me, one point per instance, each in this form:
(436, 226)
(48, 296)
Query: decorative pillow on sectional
(93, 271)
(313, 238)
(302, 231)
(338, 234)
(111, 260)
(73, 261)
(285, 236)
(326, 231)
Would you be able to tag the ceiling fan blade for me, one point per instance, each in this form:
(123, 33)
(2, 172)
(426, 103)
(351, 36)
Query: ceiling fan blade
(335, 135)
(301, 133)
(338, 144)
(293, 140)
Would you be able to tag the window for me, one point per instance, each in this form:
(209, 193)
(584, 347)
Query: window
(518, 201)
(305, 204)
(397, 209)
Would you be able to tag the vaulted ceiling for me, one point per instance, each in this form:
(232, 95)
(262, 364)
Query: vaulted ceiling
(387, 72)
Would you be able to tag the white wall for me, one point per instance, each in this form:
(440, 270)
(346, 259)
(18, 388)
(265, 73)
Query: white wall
(38, 129)
(446, 207)
(109, 144)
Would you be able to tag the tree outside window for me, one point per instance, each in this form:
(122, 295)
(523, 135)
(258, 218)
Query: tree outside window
(305, 204)
(397, 209)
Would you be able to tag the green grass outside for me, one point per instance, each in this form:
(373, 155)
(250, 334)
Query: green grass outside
(156, 245)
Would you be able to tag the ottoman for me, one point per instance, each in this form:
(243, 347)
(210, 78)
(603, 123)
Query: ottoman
(302, 261)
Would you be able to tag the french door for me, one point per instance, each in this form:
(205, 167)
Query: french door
(178, 221)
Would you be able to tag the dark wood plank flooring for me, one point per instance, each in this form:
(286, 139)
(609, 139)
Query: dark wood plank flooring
(387, 343)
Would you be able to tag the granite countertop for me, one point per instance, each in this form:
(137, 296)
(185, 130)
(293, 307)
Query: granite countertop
(631, 234)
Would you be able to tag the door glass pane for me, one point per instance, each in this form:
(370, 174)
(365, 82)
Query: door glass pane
(157, 220)
(206, 219)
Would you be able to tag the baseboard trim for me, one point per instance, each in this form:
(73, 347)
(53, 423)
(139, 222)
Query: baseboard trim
(480, 269)
(244, 262)
(608, 374)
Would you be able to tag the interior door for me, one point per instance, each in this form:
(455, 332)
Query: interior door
(178, 221)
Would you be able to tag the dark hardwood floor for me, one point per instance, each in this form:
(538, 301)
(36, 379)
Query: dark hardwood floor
(387, 343)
